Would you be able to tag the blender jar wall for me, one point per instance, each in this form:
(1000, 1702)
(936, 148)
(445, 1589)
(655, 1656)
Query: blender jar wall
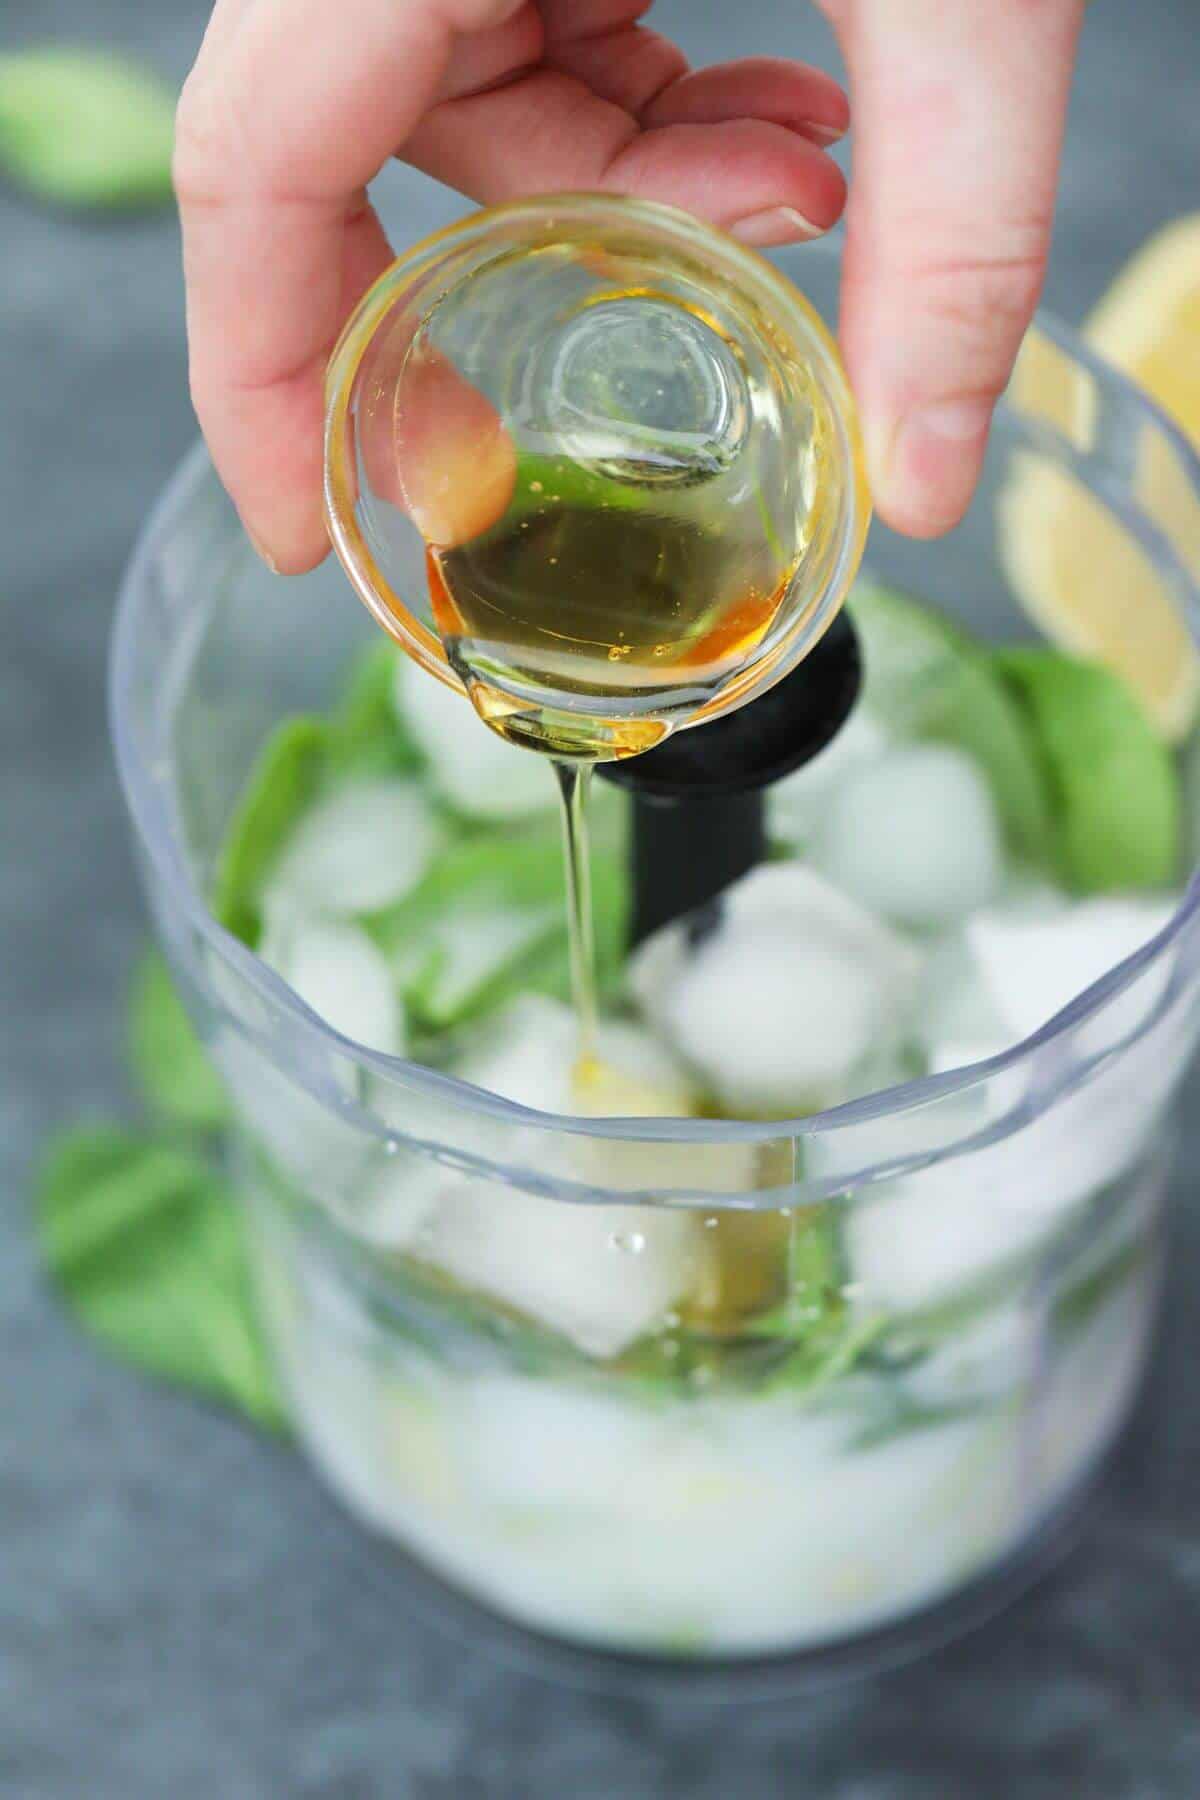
(1007, 1221)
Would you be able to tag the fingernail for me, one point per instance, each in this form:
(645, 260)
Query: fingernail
(824, 134)
(776, 225)
(260, 550)
(921, 465)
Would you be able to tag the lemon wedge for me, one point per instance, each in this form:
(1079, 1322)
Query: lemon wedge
(1079, 576)
(1148, 323)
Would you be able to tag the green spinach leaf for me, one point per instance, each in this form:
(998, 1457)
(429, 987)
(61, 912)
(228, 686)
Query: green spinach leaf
(488, 875)
(1078, 1304)
(169, 1064)
(145, 1245)
(926, 680)
(282, 786)
(1116, 789)
(365, 733)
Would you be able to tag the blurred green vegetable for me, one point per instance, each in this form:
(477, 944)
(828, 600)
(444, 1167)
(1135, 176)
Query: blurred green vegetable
(145, 1244)
(1115, 785)
(925, 680)
(488, 921)
(85, 128)
(167, 1059)
(283, 784)
(365, 733)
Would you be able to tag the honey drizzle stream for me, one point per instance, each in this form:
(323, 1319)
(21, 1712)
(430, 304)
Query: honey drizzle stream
(574, 781)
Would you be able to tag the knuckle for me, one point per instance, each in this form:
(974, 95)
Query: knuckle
(216, 147)
(202, 148)
(645, 65)
(989, 293)
(482, 15)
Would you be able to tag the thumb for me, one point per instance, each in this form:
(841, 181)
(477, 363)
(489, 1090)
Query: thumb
(960, 107)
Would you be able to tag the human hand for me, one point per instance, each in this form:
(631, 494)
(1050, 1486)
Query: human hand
(959, 108)
(294, 105)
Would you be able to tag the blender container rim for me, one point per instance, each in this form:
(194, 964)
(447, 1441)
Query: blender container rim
(154, 833)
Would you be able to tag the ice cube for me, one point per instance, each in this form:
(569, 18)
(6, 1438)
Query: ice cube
(526, 1054)
(910, 1241)
(338, 971)
(796, 804)
(655, 970)
(914, 1241)
(471, 767)
(776, 1025)
(957, 1020)
(1094, 1134)
(309, 1140)
(392, 1204)
(535, 1060)
(914, 836)
(469, 948)
(795, 990)
(365, 845)
(633, 1076)
(897, 1136)
(530, 1053)
(1015, 965)
(602, 1275)
(1035, 964)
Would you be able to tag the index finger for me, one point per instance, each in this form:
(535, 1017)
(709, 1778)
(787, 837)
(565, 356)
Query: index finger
(285, 118)
(960, 108)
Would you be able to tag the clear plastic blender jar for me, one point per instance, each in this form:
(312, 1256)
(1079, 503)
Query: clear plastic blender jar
(1004, 1218)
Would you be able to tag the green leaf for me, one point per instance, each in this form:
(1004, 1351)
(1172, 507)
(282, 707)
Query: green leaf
(145, 1245)
(832, 1352)
(1078, 1304)
(168, 1061)
(85, 128)
(926, 680)
(493, 874)
(900, 1416)
(1115, 785)
(819, 1337)
(814, 1255)
(283, 784)
(365, 733)
(814, 1278)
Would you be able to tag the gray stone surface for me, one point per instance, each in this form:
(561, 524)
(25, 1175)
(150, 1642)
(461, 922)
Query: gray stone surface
(182, 1611)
